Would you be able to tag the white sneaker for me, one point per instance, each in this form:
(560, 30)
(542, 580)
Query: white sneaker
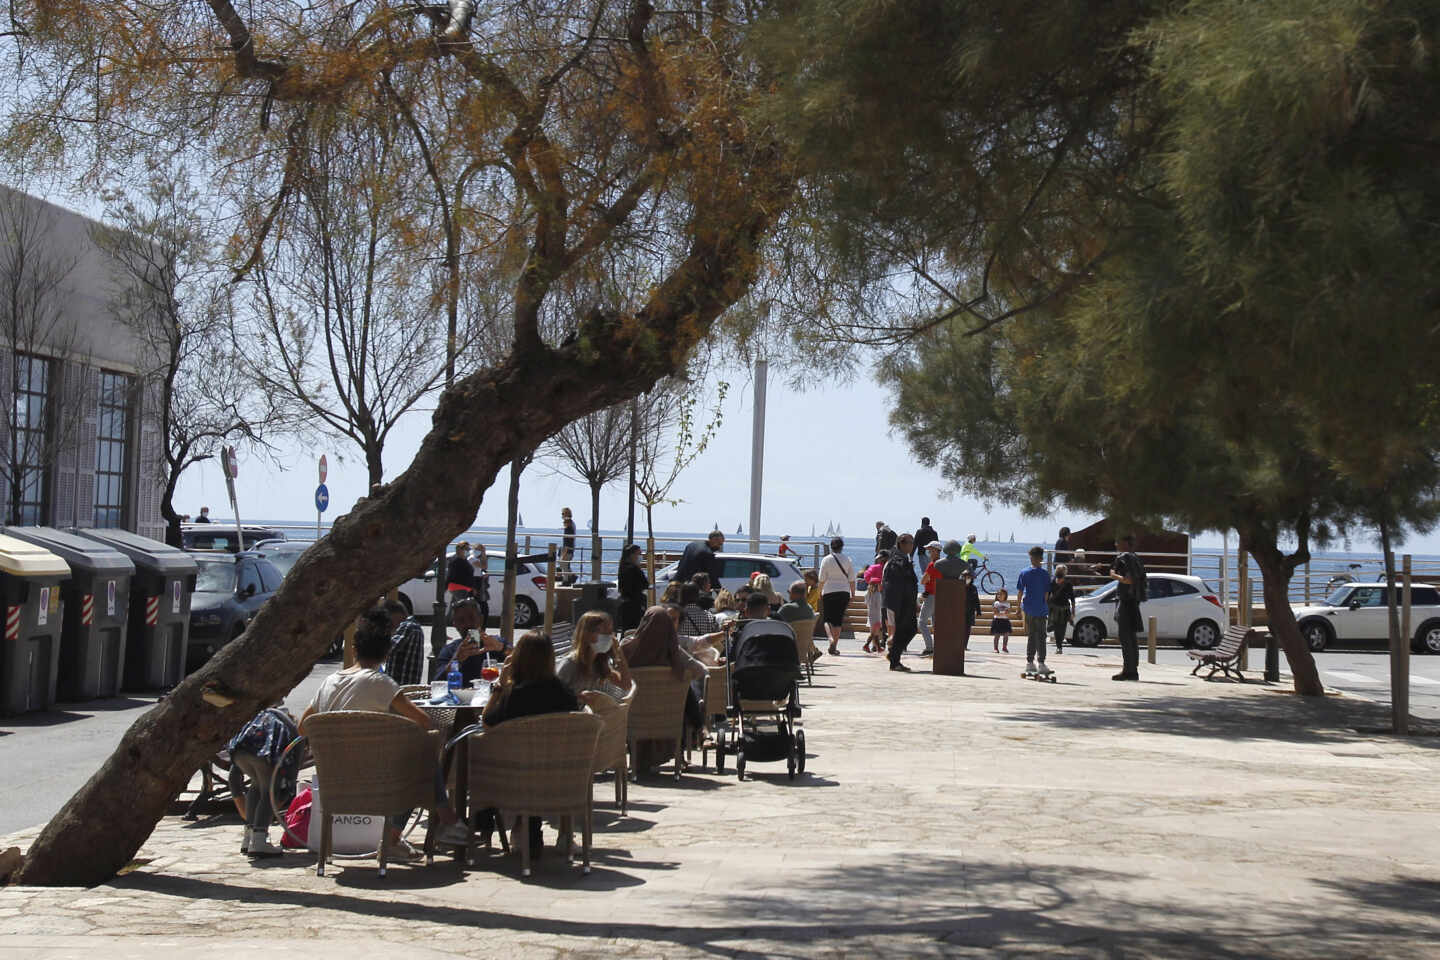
(455, 835)
(1029, 666)
(1044, 671)
(260, 845)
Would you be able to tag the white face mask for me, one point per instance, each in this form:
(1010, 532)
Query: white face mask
(602, 643)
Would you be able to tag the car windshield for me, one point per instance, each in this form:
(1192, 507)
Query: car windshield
(216, 576)
(1100, 592)
(1339, 598)
(283, 561)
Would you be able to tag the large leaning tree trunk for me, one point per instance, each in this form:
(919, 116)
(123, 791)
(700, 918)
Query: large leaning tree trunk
(651, 136)
(1276, 569)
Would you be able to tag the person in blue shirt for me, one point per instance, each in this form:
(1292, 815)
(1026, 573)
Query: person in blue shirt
(1031, 588)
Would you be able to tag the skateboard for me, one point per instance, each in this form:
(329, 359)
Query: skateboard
(1041, 677)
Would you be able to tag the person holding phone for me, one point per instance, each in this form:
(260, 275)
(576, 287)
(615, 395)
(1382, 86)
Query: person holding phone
(471, 648)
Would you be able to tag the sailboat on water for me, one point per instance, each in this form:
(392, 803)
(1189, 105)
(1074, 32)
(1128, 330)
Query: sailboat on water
(739, 529)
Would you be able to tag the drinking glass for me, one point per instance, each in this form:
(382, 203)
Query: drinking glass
(438, 689)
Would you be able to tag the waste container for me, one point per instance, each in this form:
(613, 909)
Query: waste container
(158, 629)
(30, 578)
(595, 596)
(97, 601)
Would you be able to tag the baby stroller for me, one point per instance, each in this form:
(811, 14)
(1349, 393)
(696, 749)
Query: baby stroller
(764, 710)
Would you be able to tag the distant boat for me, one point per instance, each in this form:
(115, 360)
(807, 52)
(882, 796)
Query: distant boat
(519, 519)
(837, 531)
(739, 529)
(812, 529)
(1012, 536)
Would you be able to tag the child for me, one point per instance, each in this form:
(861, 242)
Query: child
(1000, 623)
(875, 603)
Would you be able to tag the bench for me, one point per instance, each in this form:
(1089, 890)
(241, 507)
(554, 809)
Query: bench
(1225, 658)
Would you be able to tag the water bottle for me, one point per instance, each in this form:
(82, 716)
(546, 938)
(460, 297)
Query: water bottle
(453, 678)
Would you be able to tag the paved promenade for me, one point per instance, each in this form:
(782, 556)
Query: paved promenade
(939, 816)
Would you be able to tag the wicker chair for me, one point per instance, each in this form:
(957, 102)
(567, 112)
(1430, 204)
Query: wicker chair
(372, 763)
(538, 766)
(412, 690)
(805, 646)
(717, 681)
(658, 711)
(611, 753)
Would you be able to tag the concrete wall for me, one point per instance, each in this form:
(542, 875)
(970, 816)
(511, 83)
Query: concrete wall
(89, 340)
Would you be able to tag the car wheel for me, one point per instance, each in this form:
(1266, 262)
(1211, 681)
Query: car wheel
(1204, 634)
(1317, 635)
(526, 613)
(1088, 633)
(1427, 638)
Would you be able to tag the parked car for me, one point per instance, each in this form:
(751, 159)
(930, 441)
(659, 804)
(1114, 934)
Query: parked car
(222, 537)
(1185, 608)
(1359, 612)
(418, 594)
(283, 554)
(229, 591)
(737, 568)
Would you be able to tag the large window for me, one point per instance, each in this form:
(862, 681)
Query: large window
(29, 436)
(111, 449)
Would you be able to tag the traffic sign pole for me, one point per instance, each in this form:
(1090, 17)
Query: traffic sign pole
(319, 506)
(232, 470)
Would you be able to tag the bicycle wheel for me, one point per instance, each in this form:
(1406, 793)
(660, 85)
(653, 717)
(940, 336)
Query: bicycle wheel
(992, 580)
(1339, 581)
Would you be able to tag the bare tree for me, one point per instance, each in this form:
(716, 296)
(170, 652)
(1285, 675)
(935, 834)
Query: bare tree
(44, 395)
(673, 431)
(175, 302)
(349, 332)
(595, 450)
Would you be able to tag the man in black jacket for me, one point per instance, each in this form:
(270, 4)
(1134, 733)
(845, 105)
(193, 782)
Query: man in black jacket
(1129, 570)
(900, 587)
(926, 535)
(699, 557)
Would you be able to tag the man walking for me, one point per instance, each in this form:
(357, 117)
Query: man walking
(928, 579)
(699, 557)
(1129, 571)
(899, 589)
(567, 545)
(1031, 588)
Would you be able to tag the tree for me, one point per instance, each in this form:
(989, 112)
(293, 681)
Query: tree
(616, 133)
(670, 438)
(350, 333)
(595, 450)
(179, 311)
(46, 399)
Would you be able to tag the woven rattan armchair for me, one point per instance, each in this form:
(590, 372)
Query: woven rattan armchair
(538, 766)
(805, 646)
(658, 711)
(372, 763)
(612, 753)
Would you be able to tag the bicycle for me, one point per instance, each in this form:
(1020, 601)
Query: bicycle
(1351, 575)
(988, 580)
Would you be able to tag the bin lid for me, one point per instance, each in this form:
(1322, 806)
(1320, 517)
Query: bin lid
(83, 555)
(151, 555)
(23, 559)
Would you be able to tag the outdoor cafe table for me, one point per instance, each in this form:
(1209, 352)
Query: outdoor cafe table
(450, 719)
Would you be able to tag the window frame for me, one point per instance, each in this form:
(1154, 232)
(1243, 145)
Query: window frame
(113, 448)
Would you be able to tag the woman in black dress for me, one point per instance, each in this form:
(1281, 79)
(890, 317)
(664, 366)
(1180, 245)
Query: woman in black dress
(633, 587)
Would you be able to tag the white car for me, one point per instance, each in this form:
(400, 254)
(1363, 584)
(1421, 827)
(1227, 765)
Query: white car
(1359, 612)
(1185, 608)
(737, 568)
(418, 594)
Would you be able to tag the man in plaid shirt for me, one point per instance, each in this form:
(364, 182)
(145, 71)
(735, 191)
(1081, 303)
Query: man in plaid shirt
(406, 663)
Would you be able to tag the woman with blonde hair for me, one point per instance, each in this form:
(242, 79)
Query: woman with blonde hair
(595, 662)
(760, 583)
(725, 609)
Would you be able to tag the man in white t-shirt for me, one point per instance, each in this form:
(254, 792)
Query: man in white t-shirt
(837, 586)
(365, 687)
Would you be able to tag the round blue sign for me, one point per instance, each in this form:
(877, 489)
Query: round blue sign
(322, 498)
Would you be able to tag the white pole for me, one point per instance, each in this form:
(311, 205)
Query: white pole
(757, 454)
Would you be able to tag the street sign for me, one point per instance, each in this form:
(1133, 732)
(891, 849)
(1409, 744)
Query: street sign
(324, 469)
(322, 498)
(232, 466)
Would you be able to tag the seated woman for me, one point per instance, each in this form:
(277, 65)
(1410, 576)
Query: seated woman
(760, 583)
(725, 608)
(595, 663)
(255, 752)
(365, 687)
(528, 687)
(657, 644)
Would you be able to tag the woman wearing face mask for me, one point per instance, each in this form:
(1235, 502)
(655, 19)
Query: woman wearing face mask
(595, 662)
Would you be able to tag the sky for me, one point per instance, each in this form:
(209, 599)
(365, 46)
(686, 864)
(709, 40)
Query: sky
(829, 458)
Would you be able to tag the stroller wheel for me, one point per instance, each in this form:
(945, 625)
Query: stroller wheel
(800, 750)
(740, 764)
(790, 766)
(719, 755)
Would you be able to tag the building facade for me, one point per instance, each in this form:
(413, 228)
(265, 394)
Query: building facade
(80, 442)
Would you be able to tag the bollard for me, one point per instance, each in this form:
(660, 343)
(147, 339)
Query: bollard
(1272, 658)
(650, 567)
(1152, 635)
(550, 591)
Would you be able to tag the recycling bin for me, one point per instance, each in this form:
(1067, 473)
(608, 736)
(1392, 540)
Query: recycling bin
(30, 578)
(595, 596)
(158, 627)
(96, 599)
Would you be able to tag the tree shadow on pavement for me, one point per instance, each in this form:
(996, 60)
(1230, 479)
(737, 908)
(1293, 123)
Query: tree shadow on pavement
(1287, 719)
(913, 906)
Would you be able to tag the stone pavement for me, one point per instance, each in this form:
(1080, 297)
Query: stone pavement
(939, 816)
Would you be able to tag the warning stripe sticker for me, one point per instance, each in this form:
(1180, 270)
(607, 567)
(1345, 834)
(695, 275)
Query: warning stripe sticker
(152, 611)
(87, 609)
(12, 623)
